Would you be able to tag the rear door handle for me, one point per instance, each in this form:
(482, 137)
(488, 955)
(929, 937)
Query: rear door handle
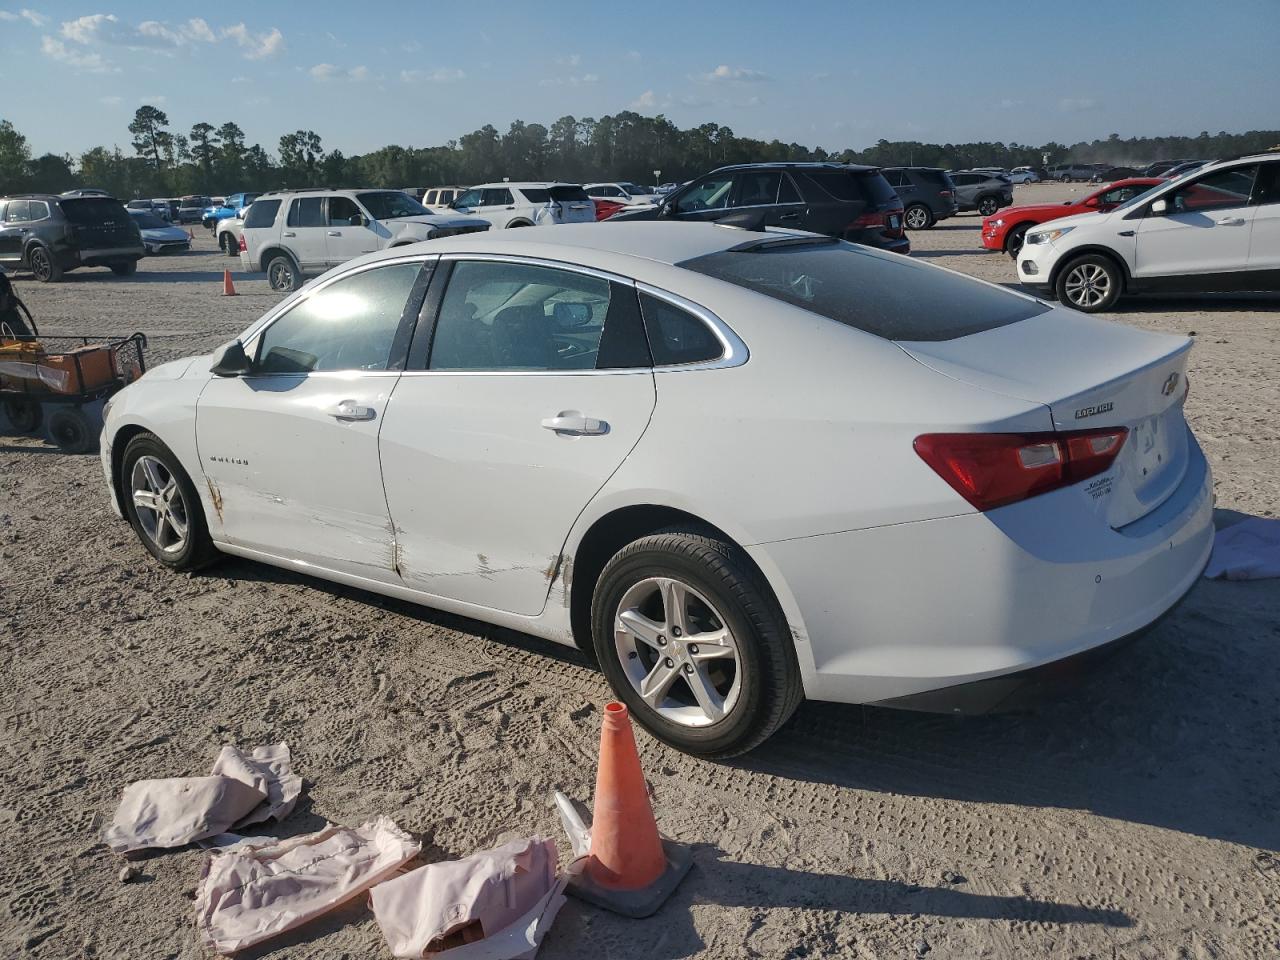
(1231, 221)
(288, 233)
(789, 216)
(349, 410)
(334, 233)
(571, 423)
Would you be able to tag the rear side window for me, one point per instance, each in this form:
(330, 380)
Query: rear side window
(39, 210)
(888, 296)
(307, 212)
(94, 210)
(531, 194)
(262, 213)
(938, 177)
(677, 336)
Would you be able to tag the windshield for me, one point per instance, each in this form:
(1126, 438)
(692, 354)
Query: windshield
(147, 221)
(390, 204)
(1139, 198)
(881, 294)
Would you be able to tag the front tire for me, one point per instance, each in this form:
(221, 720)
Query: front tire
(283, 274)
(1016, 237)
(691, 639)
(1090, 283)
(44, 265)
(124, 268)
(162, 506)
(918, 217)
(24, 416)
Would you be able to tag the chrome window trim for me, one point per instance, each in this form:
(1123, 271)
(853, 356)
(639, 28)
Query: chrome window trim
(539, 262)
(735, 352)
(249, 338)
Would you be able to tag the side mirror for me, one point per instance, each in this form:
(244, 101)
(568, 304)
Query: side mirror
(230, 360)
(357, 220)
(1091, 202)
(1160, 207)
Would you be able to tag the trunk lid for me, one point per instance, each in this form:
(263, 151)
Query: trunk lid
(1089, 373)
(100, 223)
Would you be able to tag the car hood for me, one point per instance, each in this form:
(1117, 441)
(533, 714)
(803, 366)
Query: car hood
(166, 234)
(1041, 211)
(440, 220)
(173, 370)
(1078, 219)
(638, 211)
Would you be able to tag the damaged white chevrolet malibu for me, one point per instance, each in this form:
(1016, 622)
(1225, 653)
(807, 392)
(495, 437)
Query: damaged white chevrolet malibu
(739, 468)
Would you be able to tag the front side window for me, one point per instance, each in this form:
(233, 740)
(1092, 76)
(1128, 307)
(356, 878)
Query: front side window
(709, 194)
(307, 212)
(471, 198)
(1215, 191)
(343, 212)
(17, 211)
(758, 188)
(499, 316)
(1121, 194)
(348, 325)
(390, 204)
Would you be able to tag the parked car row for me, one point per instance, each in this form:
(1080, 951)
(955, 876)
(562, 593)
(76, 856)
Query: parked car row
(51, 235)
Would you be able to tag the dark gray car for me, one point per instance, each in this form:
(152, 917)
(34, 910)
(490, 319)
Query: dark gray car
(982, 191)
(927, 194)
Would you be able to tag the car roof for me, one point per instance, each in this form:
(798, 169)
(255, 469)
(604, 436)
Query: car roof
(799, 165)
(525, 183)
(47, 196)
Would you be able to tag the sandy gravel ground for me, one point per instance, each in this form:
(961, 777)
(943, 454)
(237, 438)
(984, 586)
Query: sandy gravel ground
(1135, 817)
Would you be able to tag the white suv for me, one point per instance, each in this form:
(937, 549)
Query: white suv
(292, 233)
(1215, 228)
(527, 204)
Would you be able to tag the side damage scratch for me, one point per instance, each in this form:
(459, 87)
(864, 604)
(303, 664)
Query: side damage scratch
(216, 496)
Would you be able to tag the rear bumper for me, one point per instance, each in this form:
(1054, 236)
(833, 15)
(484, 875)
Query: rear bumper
(103, 255)
(894, 612)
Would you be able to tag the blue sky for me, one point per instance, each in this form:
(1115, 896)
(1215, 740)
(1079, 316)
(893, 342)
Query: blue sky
(363, 75)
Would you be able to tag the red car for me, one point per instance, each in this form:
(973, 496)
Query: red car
(1005, 229)
(606, 208)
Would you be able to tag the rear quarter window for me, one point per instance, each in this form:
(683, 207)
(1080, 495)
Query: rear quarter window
(881, 294)
(262, 213)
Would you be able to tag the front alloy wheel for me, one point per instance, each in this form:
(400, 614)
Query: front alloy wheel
(677, 652)
(1091, 284)
(159, 504)
(987, 206)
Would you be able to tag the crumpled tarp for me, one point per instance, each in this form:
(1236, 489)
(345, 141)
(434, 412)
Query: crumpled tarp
(260, 888)
(1248, 550)
(241, 789)
(493, 905)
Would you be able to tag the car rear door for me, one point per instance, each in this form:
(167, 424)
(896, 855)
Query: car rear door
(290, 450)
(13, 230)
(304, 233)
(536, 387)
(1264, 240)
(1205, 229)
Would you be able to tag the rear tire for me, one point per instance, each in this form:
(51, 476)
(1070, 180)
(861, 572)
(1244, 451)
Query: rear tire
(918, 217)
(751, 692)
(988, 205)
(1090, 283)
(44, 265)
(229, 245)
(24, 416)
(196, 548)
(72, 430)
(283, 274)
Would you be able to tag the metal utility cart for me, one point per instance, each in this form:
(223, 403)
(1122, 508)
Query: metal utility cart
(65, 378)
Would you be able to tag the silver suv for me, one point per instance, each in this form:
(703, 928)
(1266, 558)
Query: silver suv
(293, 233)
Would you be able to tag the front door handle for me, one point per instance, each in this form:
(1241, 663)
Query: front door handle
(1231, 221)
(334, 233)
(789, 216)
(288, 233)
(349, 410)
(571, 423)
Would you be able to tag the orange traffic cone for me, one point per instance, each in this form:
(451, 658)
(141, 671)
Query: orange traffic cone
(228, 288)
(630, 870)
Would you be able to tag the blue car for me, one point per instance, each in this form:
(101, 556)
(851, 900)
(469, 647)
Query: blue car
(233, 206)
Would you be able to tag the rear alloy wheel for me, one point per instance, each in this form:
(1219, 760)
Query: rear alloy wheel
(1016, 238)
(162, 505)
(282, 274)
(693, 642)
(1090, 283)
(918, 217)
(72, 430)
(987, 206)
(43, 265)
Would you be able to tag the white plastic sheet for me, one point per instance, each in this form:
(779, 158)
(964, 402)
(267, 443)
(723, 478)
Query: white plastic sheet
(240, 790)
(258, 889)
(1248, 550)
(493, 905)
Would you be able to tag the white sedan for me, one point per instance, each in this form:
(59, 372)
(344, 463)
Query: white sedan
(739, 468)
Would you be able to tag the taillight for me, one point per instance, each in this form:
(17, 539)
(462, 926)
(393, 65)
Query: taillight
(994, 469)
(867, 220)
(244, 247)
(944, 193)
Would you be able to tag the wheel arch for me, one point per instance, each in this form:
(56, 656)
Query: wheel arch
(519, 222)
(1009, 231)
(270, 251)
(1094, 248)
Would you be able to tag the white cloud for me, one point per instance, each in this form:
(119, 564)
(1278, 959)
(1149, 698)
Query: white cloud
(358, 73)
(572, 60)
(323, 71)
(585, 79)
(327, 71)
(256, 46)
(724, 73)
(55, 49)
(1077, 104)
(31, 16)
(646, 101)
(156, 99)
(438, 75)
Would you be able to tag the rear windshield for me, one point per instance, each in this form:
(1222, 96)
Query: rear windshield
(93, 210)
(889, 296)
(869, 186)
(563, 193)
(262, 213)
(389, 204)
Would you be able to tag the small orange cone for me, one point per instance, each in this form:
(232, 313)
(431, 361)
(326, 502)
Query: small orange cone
(228, 288)
(630, 869)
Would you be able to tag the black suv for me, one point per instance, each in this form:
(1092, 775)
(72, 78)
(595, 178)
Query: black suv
(927, 195)
(50, 235)
(838, 199)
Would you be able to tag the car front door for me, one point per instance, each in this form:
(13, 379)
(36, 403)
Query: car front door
(1204, 228)
(537, 386)
(704, 200)
(350, 231)
(304, 233)
(290, 450)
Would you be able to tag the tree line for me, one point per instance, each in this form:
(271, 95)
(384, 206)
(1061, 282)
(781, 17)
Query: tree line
(213, 159)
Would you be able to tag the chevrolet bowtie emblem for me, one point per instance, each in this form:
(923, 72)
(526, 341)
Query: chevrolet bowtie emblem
(1170, 385)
